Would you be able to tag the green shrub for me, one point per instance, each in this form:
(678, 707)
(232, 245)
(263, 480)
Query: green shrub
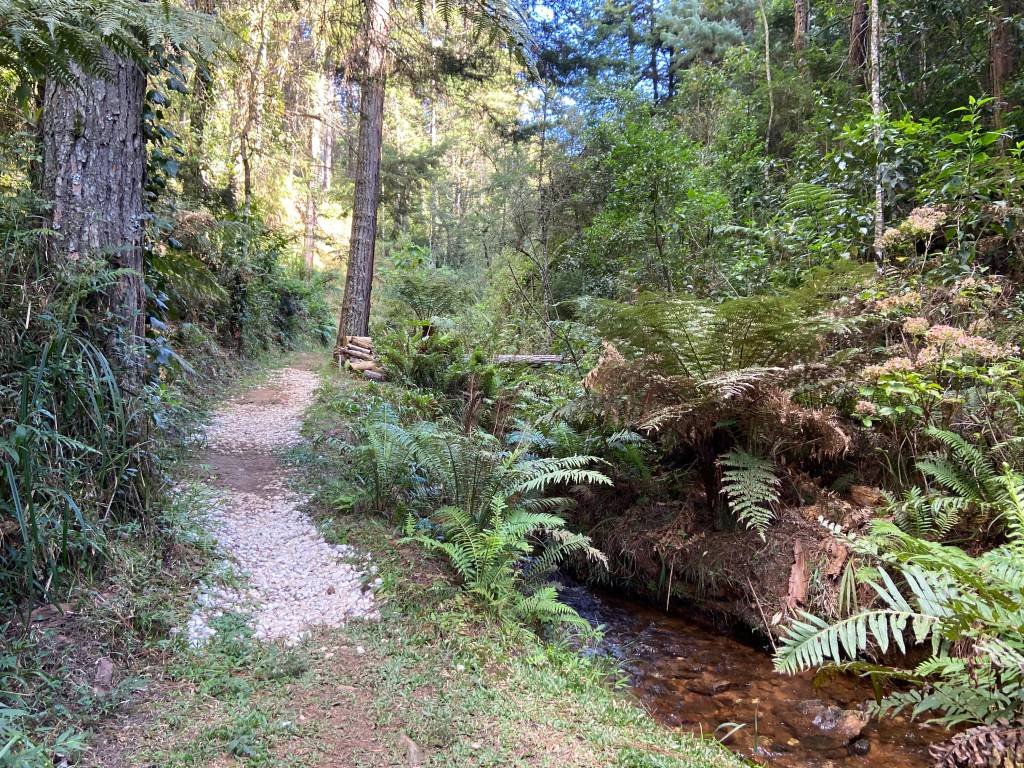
(236, 276)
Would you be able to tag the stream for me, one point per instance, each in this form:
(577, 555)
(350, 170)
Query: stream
(692, 676)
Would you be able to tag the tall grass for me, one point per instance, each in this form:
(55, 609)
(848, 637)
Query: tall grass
(69, 439)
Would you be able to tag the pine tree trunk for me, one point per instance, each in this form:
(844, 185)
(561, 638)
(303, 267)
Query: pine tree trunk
(192, 166)
(94, 159)
(655, 49)
(876, 113)
(355, 308)
(309, 234)
(800, 23)
(1001, 56)
(315, 179)
(768, 83)
(858, 48)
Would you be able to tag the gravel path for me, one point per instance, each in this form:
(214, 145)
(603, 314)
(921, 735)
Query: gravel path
(295, 579)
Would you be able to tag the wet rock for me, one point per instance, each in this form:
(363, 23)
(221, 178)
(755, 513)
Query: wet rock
(708, 685)
(859, 747)
(826, 727)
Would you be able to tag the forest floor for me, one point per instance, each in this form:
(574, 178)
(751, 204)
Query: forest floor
(308, 638)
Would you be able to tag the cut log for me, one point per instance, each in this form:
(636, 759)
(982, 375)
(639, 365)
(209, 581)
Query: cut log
(363, 341)
(374, 375)
(358, 354)
(354, 345)
(364, 365)
(529, 359)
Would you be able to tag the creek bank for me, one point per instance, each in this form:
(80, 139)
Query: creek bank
(691, 675)
(675, 550)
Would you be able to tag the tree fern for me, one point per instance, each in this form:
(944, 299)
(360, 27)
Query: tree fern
(49, 38)
(752, 488)
(808, 198)
(684, 335)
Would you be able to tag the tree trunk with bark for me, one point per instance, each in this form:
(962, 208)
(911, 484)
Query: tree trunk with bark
(192, 167)
(94, 159)
(1001, 58)
(355, 308)
(655, 49)
(876, 113)
(768, 83)
(857, 52)
(314, 180)
(800, 25)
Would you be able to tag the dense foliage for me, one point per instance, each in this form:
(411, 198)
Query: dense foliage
(79, 449)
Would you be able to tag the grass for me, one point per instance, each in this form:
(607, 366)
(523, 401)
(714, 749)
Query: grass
(48, 663)
(434, 682)
(433, 675)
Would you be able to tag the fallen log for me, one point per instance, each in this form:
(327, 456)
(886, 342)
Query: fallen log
(374, 375)
(528, 359)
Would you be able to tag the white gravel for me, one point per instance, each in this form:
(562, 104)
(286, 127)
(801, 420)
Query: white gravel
(295, 579)
(265, 423)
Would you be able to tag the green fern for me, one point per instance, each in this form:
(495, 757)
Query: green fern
(496, 524)
(387, 454)
(506, 21)
(925, 515)
(752, 488)
(966, 470)
(50, 39)
(811, 199)
(687, 336)
(967, 611)
(969, 482)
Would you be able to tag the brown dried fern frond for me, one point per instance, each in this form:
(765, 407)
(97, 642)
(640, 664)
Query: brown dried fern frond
(987, 746)
(817, 430)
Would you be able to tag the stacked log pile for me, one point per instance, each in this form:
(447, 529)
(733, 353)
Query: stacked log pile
(357, 353)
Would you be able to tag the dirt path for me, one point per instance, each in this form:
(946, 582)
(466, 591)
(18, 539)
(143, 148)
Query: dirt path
(296, 581)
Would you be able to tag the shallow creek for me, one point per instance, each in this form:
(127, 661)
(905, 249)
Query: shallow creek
(692, 676)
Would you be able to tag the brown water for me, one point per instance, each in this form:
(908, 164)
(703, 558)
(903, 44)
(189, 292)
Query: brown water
(692, 676)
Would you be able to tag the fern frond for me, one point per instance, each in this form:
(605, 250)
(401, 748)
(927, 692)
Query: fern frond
(752, 488)
(543, 606)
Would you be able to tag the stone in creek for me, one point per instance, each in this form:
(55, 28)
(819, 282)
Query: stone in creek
(708, 685)
(859, 747)
(823, 726)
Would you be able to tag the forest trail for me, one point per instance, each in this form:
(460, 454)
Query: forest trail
(296, 580)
